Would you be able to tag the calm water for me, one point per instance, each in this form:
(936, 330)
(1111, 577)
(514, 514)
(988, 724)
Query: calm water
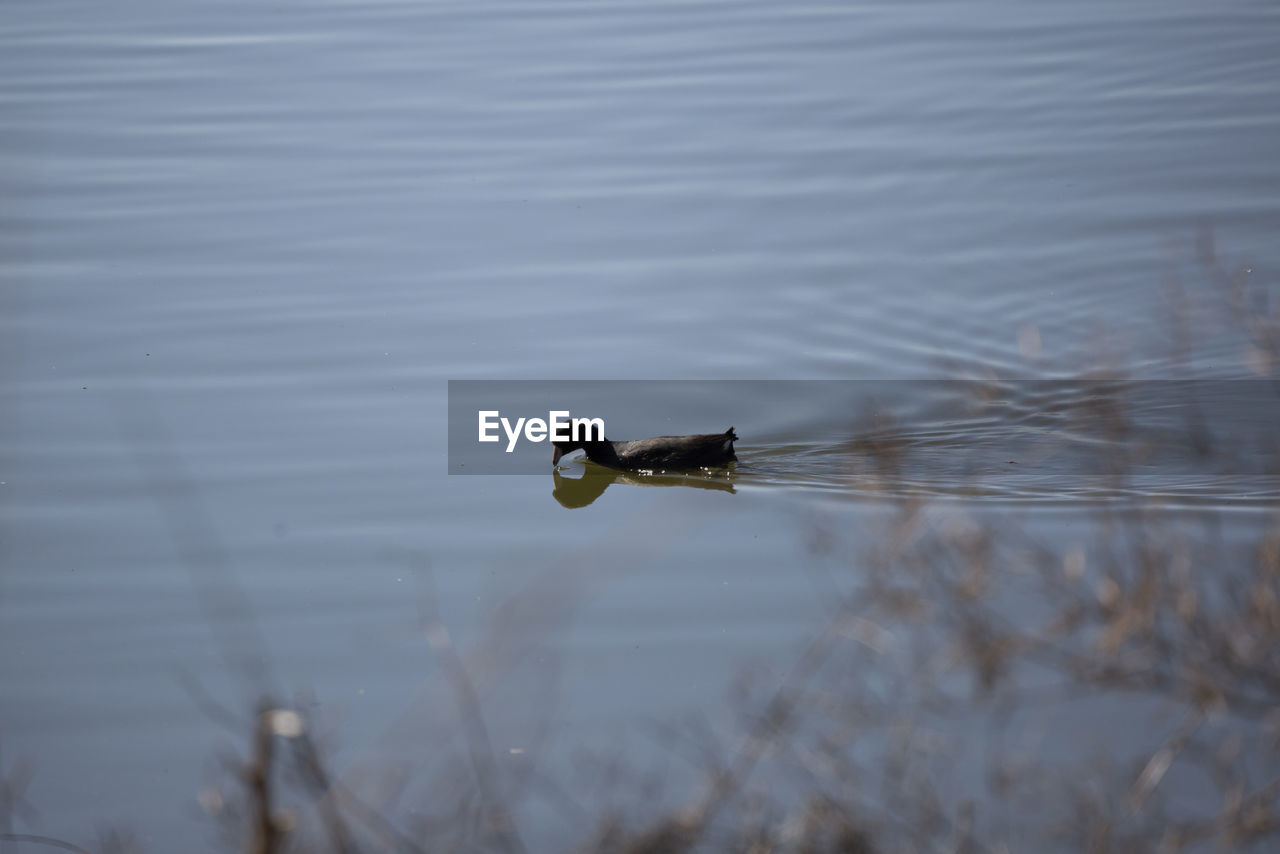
(243, 249)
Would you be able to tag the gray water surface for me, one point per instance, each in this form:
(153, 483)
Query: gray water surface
(243, 249)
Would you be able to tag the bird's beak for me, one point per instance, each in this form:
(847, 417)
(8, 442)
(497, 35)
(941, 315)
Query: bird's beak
(555, 455)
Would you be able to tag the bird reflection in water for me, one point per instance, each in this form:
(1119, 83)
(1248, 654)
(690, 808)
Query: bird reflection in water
(574, 492)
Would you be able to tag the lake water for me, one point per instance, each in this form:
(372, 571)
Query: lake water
(245, 247)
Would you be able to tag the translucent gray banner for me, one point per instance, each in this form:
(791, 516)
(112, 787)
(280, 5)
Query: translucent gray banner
(926, 428)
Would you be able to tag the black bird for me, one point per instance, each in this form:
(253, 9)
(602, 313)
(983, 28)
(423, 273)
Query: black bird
(663, 453)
